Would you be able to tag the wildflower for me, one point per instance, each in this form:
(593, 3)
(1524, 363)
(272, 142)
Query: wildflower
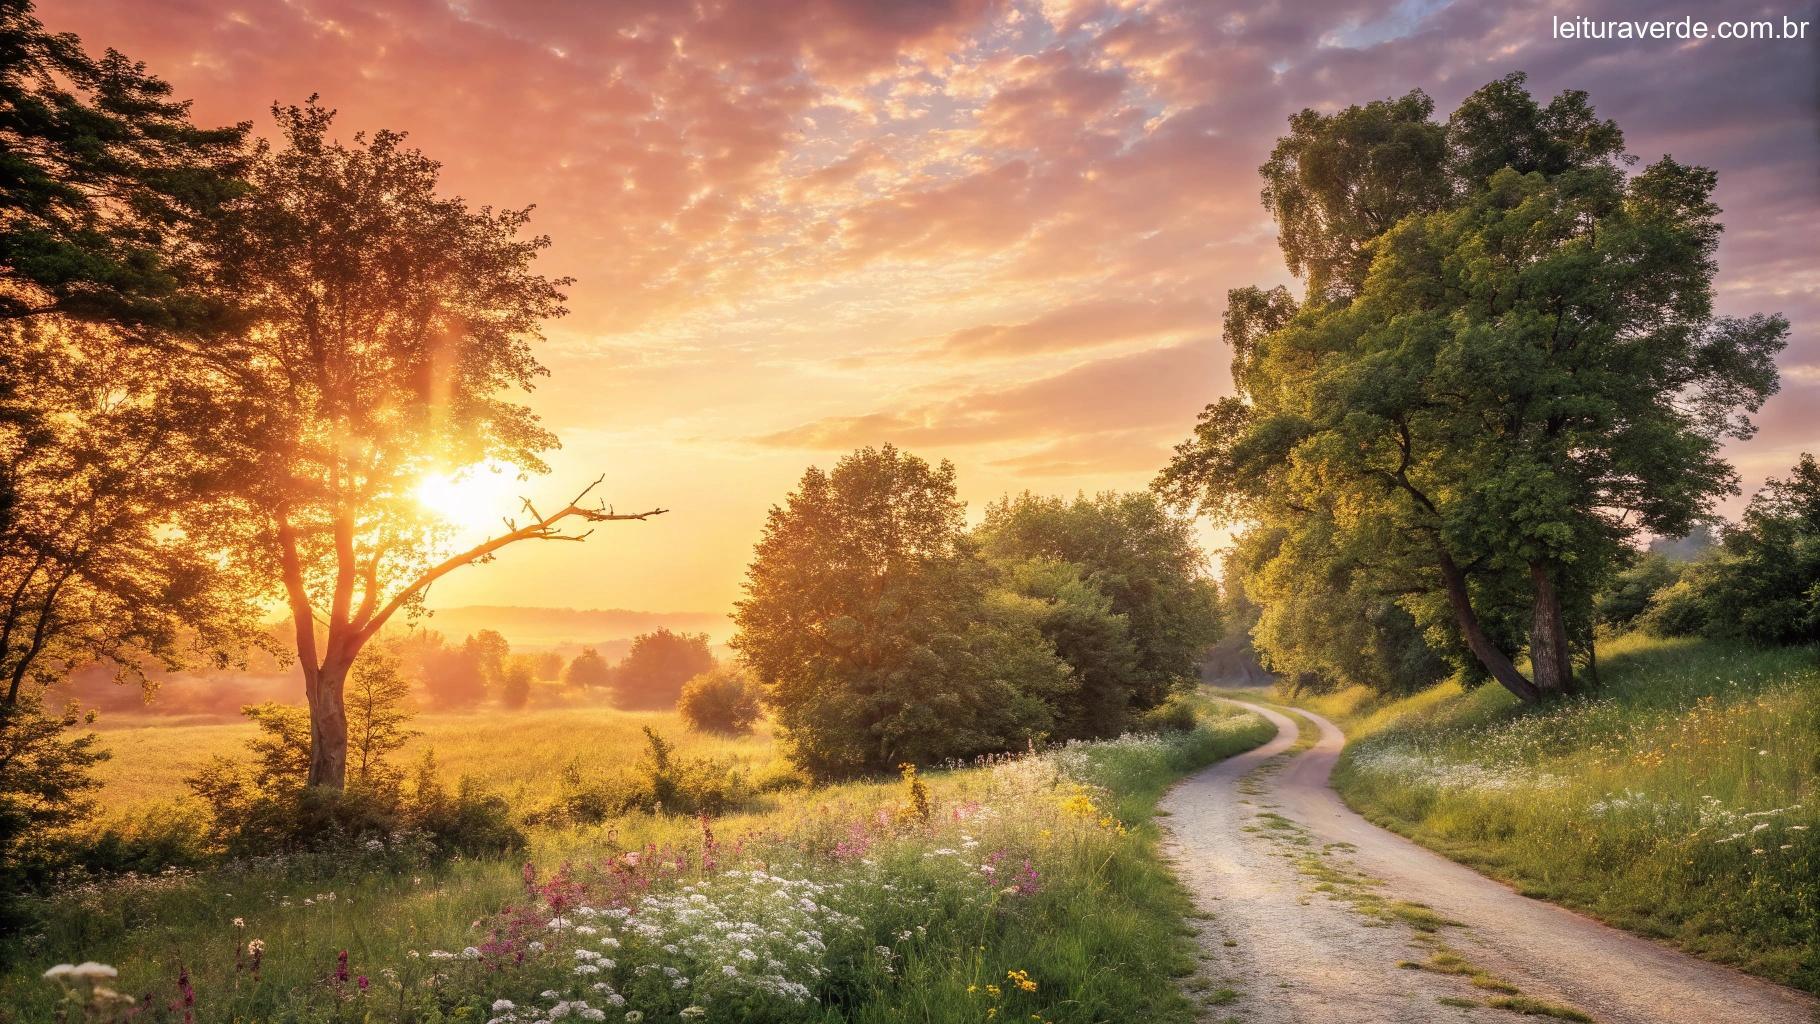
(1021, 979)
(240, 922)
(634, 1016)
(694, 1012)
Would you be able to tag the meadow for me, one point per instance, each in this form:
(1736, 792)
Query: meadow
(1678, 800)
(1014, 887)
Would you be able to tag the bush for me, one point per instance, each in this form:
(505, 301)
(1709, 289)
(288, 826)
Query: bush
(1173, 715)
(652, 676)
(720, 700)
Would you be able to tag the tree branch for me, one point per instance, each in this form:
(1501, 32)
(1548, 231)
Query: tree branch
(540, 528)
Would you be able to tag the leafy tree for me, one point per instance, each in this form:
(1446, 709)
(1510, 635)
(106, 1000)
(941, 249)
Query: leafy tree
(453, 676)
(490, 651)
(1763, 581)
(1524, 380)
(587, 671)
(866, 623)
(721, 700)
(1144, 560)
(657, 666)
(386, 328)
(515, 687)
(1080, 623)
(106, 185)
(379, 713)
(1338, 181)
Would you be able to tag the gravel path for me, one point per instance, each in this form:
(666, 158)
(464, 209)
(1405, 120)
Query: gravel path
(1318, 916)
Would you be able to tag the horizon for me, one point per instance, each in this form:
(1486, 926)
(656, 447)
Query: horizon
(995, 234)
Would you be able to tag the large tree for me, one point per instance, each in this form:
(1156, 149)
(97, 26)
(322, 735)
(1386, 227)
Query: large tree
(866, 622)
(113, 433)
(388, 332)
(104, 184)
(1523, 381)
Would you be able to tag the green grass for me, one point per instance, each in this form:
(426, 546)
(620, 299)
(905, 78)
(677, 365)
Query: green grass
(1679, 800)
(1105, 934)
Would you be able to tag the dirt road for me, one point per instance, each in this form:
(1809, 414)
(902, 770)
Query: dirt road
(1318, 916)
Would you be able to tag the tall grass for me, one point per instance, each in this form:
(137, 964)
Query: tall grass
(913, 924)
(1680, 799)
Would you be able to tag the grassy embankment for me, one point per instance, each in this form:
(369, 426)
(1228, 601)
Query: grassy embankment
(907, 922)
(1681, 800)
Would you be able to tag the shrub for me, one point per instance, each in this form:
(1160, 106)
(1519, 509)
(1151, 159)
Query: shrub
(588, 671)
(655, 669)
(721, 700)
(515, 687)
(1173, 715)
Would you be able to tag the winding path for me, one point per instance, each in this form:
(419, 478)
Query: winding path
(1311, 911)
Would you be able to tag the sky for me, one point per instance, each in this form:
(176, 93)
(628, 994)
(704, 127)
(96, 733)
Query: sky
(999, 233)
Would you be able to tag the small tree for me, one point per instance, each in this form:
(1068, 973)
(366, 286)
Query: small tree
(387, 329)
(721, 700)
(453, 678)
(490, 651)
(588, 671)
(657, 666)
(378, 714)
(515, 687)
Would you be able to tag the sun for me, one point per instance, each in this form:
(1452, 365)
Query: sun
(475, 499)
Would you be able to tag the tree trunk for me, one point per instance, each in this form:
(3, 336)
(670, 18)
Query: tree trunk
(1549, 652)
(329, 724)
(1481, 645)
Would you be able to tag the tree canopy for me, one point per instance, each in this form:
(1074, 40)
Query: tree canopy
(1524, 380)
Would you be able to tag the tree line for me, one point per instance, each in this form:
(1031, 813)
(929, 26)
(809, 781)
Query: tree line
(1504, 373)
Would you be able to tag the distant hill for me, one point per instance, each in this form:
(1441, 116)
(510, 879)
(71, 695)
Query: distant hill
(570, 627)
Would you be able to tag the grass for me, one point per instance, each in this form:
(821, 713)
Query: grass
(1679, 800)
(518, 753)
(914, 927)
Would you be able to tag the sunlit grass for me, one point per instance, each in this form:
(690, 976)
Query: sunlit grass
(1106, 935)
(519, 754)
(1679, 800)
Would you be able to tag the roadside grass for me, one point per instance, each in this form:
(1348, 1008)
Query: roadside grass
(1679, 800)
(913, 925)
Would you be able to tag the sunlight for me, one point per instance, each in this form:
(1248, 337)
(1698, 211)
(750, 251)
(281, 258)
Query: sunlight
(474, 499)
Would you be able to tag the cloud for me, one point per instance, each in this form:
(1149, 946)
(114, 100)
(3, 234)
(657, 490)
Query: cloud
(1086, 324)
(1159, 389)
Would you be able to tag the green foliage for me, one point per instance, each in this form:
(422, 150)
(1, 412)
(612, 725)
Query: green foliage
(1631, 590)
(866, 622)
(46, 783)
(1338, 181)
(1528, 374)
(1151, 572)
(720, 700)
(1078, 620)
(105, 183)
(1764, 584)
(1176, 714)
(655, 669)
